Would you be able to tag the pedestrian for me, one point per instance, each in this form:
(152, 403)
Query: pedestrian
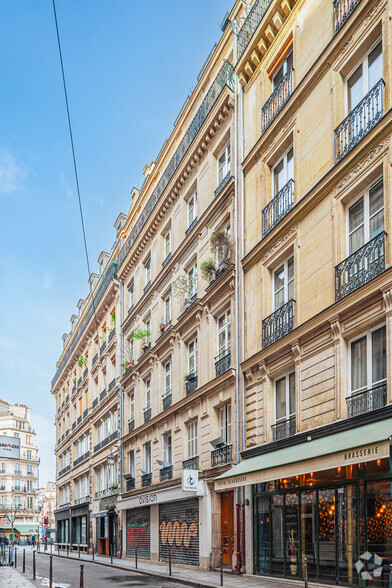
(33, 541)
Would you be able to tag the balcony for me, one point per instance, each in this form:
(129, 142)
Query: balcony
(368, 400)
(85, 373)
(284, 428)
(278, 324)
(107, 491)
(341, 11)
(85, 413)
(222, 183)
(111, 335)
(106, 441)
(278, 208)
(191, 226)
(191, 464)
(166, 474)
(222, 363)
(95, 358)
(147, 414)
(147, 286)
(79, 419)
(167, 400)
(81, 458)
(146, 480)
(80, 381)
(166, 260)
(64, 470)
(103, 394)
(74, 389)
(130, 484)
(112, 385)
(131, 425)
(95, 402)
(250, 25)
(74, 425)
(82, 499)
(360, 267)
(102, 348)
(221, 456)
(191, 384)
(277, 99)
(359, 122)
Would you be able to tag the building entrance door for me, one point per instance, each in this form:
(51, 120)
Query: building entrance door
(227, 526)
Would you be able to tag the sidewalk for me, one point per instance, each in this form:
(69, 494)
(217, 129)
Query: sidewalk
(190, 577)
(9, 577)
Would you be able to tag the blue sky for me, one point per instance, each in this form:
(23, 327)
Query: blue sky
(129, 67)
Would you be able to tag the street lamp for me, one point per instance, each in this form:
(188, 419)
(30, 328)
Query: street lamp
(111, 459)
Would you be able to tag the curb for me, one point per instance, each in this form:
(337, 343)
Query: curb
(166, 577)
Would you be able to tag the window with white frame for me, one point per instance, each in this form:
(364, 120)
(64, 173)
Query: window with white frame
(285, 397)
(147, 389)
(132, 406)
(284, 283)
(131, 294)
(168, 378)
(192, 439)
(147, 271)
(147, 457)
(282, 70)
(167, 244)
(192, 209)
(147, 326)
(224, 334)
(192, 281)
(368, 369)
(283, 171)
(365, 76)
(192, 357)
(168, 309)
(366, 216)
(17, 484)
(131, 350)
(131, 463)
(224, 416)
(167, 448)
(223, 163)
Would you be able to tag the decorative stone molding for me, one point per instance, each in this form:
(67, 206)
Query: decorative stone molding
(387, 296)
(280, 244)
(336, 329)
(279, 138)
(296, 351)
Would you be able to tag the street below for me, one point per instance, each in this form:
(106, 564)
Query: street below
(66, 574)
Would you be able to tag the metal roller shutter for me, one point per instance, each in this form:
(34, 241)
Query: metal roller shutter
(179, 529)
(138, 532)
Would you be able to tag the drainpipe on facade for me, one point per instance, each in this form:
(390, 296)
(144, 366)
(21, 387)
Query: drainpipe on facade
(121, 391)
(234, 26)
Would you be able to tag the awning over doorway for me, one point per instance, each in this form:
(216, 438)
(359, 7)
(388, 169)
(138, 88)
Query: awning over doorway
(357, 445)
(27, 529)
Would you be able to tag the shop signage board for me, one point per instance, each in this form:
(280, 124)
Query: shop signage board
(9, 447)
(190, 480)
(349, 456)
(159, 497)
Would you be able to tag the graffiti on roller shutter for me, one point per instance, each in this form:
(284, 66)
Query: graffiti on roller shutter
(180, 532)
(138, 532)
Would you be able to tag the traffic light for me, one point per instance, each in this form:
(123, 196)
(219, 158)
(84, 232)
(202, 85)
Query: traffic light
(46, 522)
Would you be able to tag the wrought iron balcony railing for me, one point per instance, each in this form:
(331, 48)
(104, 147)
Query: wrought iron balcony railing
(64, 471)
(111, 334)
(85, 373)
(85, 413)
(224, 78)
(284, 428)
(360, 267)
(80, 381)
(147, 414)
(73, 425)
(82, 499)
(276, 210)
(146, 287)
(190, 227)
(146, 480)
(191, 464)
(106, 441)
(368, 400)
(95, 358)
(102, 348)
(191, 384)
(107, 492)
(166, 473)
(166, 260)
(221, 456)
(95, 402)
(341, 11)
(222, 362)
(278, 324)
(81, 458)
(250, 25)
(130, 484)
(223, 183)
(167, 400)
(360, 121)
(79, 419)
(277, 99)
(131, 425)
(112, 384)
(103, 394)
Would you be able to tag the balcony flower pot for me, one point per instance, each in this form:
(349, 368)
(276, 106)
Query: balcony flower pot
(145, 347)
(162, 327)
(188, 377)
(187, 303)
(224, 264)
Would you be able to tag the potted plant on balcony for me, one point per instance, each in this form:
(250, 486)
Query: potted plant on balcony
(81, 361)
(162, 326)
(208, 269)
(142, 334)
(220, 243)
(74, 381)
(189, 377)
(183, 288)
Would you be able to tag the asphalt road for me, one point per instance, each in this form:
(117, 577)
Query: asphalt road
(66, 574)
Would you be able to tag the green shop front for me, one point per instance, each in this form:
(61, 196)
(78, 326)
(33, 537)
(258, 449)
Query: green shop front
(332, 507)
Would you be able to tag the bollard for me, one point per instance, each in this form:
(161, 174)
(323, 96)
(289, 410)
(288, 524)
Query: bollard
(51, 547)
(58, 548)
(34, 564)
(306, 572)
(67, 549)
(169, 561)
(93, 552)
(136, 558)
(51, 571)
(111, 553)
(24, 561)
(81, 585)
(16, 557)
(79, 550)
(221, 569)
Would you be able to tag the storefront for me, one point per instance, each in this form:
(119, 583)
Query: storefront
(106, 532)
(63, 526)
(80, 523)
(170, 518)
(333, 516)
